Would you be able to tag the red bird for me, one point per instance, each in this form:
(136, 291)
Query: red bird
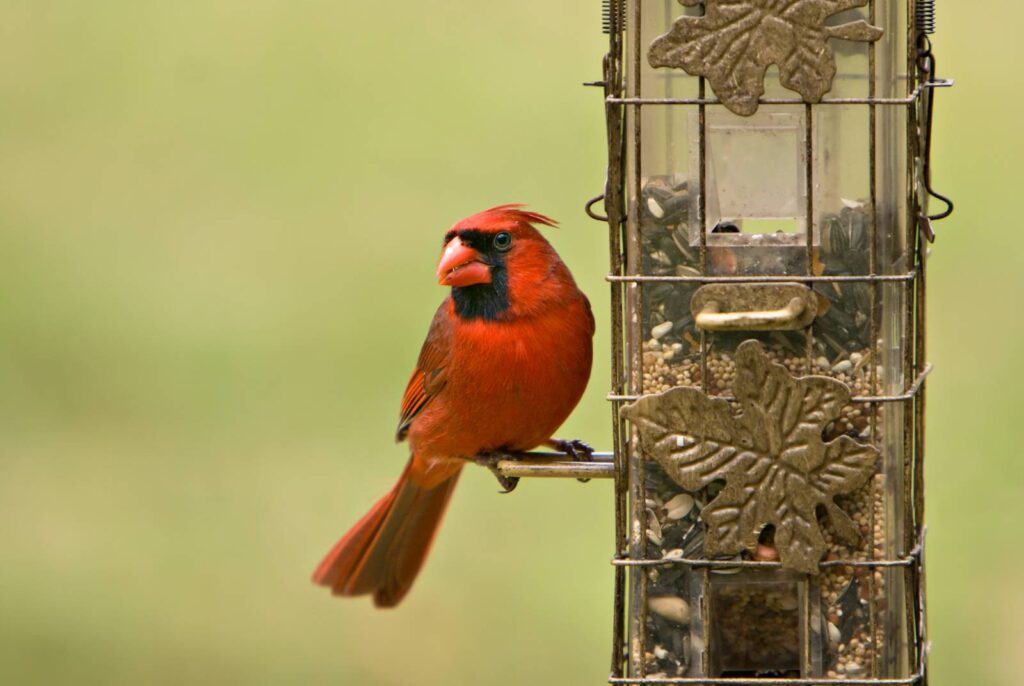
(506, 360)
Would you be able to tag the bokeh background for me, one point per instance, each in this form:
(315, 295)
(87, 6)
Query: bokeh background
(218, 226)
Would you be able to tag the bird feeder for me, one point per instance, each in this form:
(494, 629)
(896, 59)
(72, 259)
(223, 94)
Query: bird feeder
(767, 199)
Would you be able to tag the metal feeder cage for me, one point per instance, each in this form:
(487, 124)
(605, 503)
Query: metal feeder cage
(767, 199)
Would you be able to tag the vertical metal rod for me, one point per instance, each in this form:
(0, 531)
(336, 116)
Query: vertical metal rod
(919, 454)
(809, 189)
(909, 350)
(919, 449)
(613, 210)
(908, 293)
(919, 422)
(806, 588)
(705, 382)
(874, 349)
(702, 204)
(702, 174)
(805, 629)
(804, 591)
(669, 79)
(809, 182)
(638, 537)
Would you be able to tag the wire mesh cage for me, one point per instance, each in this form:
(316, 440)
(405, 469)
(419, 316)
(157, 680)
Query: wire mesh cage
(767, 202)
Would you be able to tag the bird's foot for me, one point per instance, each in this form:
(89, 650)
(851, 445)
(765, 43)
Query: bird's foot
(490, 460)
(576, 449)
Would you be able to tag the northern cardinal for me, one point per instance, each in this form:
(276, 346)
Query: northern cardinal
(506, 359)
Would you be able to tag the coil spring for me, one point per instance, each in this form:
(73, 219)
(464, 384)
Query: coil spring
(606, 15)
(924, 16)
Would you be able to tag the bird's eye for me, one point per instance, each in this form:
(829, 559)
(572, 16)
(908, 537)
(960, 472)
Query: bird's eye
(503, 241)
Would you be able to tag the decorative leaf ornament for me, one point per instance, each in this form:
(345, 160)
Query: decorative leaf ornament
(735, 42)
(776, 467)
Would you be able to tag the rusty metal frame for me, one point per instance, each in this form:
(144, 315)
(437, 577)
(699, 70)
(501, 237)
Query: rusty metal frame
(701, 563)
(917, 678)
(911, 98)
(838, 278)
(914, 389)
(636, 543)
(629, 542)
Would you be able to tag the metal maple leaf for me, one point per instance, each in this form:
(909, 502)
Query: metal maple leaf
(777, 468)
(736, 41)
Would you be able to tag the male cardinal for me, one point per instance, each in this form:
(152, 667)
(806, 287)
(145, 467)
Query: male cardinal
(506, 360)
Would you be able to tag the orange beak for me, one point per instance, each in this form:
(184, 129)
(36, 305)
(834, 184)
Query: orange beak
(460, 266)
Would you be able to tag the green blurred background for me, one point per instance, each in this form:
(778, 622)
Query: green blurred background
(218, 226)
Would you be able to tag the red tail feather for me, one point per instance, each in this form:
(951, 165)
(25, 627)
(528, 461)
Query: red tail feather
(383, 552)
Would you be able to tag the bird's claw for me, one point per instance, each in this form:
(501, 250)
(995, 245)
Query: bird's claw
(576, 449)
(508, 483)
(490, 460)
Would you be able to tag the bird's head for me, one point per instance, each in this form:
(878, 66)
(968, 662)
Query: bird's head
(490, 258)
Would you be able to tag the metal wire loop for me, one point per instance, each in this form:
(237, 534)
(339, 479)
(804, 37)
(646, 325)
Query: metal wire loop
(927, 64)
(589, 208)
(910, 393)
(909, 560)
(840, 278)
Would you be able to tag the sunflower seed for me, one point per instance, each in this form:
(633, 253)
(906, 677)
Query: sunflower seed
(679, 506)
(661, 329)
(671, 608)
(843, 366)
(653, 523)
(655, 209)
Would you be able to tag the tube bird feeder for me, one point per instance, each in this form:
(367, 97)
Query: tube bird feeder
(768, 208)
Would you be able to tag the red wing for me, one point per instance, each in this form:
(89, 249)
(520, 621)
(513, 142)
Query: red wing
(430, 374)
